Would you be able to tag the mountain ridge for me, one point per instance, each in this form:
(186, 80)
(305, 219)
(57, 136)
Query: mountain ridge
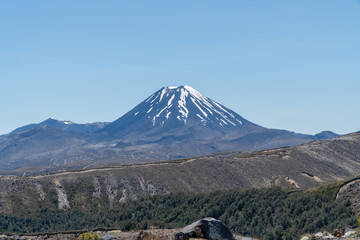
(66, 125)
(174, 122)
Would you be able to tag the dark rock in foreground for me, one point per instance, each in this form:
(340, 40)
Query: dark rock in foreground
(208, 228)
(108, 237)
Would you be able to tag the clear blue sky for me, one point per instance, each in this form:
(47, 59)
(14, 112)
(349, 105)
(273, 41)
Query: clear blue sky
(283, 64)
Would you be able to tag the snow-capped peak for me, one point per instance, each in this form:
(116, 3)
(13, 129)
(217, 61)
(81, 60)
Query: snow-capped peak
(173, 87)
(185, 104)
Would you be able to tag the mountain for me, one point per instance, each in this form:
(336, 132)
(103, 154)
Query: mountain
(177, 108)
(326, 135)
(66, 126)
(172, 123)
(181, 122)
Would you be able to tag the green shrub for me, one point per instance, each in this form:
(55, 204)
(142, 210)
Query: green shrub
(88, 236)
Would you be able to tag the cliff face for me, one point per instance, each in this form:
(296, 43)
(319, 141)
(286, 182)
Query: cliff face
(306, 166)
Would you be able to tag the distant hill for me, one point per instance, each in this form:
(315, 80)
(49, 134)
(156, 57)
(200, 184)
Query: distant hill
(172, 123)
(326, 135)
(306, 166)
(66, 126)
(38, 146)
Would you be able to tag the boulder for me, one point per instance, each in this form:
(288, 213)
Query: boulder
(350, 234)
(327, 235)
(208, 228)
(108, 237)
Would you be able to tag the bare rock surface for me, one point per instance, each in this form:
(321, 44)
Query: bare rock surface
(342, 233)
(207, 228)
(351, 191)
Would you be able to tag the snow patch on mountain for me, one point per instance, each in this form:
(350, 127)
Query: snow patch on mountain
(185, 104)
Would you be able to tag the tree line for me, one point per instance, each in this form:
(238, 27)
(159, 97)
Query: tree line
(269, 213)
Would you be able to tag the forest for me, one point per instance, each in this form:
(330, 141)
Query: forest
(269, 213)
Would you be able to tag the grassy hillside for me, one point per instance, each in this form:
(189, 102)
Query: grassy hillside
(175, 193)
(270, 213)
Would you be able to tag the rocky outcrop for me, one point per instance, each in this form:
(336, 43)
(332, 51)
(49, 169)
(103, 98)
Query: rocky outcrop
(97, 188)
(108, 237)
(111, 189)
(63, 202)
(351, 191)
(208, 228)
(40, 192)
(342, 233)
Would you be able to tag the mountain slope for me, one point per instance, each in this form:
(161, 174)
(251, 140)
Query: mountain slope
(305, 166)
(37, 147)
